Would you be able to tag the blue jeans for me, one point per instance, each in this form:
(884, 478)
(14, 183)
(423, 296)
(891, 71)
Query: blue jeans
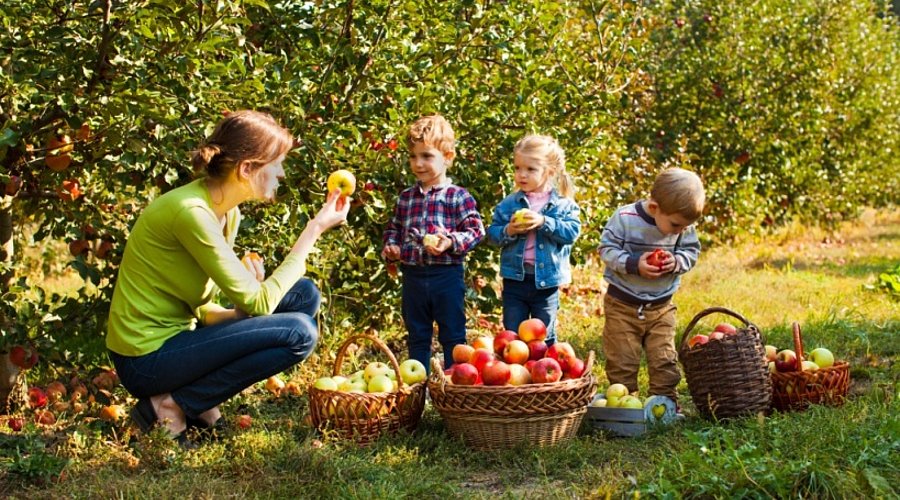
(521, 301)
(204, 367)
(432, 294)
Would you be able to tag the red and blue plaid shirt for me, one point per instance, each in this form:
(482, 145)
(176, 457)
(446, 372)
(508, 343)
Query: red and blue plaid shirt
(446, 209)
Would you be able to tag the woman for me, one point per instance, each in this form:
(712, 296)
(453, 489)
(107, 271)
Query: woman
(174, 348)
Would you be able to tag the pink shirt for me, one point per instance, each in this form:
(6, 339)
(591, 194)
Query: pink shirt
(536, 202)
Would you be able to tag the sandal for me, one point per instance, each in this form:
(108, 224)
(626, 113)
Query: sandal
(144, 415)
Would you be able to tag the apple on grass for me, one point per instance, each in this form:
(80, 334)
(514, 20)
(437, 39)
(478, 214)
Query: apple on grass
(275, 385)
(786, 361)
(502, 339)
(516, 352)
(462, 353)
(496, 373)
(464, 374)
(412, 371)
(244, 421)
(823, 358)
(532, 329)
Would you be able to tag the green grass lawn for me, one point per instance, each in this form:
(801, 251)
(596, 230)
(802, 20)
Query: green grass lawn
(810, 276)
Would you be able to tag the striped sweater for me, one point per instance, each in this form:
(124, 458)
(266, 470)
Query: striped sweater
(630, 233)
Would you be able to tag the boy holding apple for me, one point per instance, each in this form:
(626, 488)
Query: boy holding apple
(435, 224)
(646, 247)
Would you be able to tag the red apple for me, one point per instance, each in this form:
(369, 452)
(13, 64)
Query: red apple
(657, 258)
(562, 352)
(716, 335)
(537, 349)
(502, 339)
(529, 364)
(480, 358)
(464, 374)
(496, 373)
(532, 329)
(786, 361)
(15, 423)
(516, 352)
(462, 353)
(44, 417)
(576, 368)
(546, 370)
(244, 421)
(37, 398)
(698, 339)
(726, 328)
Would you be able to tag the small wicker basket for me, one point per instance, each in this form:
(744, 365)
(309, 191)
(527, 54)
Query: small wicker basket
(727, 377)
(797, 390)
(363, 417)
(498, 417)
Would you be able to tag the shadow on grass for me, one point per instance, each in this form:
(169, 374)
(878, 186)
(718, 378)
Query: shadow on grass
(852, 269)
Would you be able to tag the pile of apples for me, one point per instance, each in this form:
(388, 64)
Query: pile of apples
(375, 377)
(787, 360)
(512, 358)
(617, 396)
(721, 331)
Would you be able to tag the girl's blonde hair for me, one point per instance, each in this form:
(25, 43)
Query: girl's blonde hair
(245, 135)
(550, 155)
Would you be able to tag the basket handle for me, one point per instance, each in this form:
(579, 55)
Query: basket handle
(706, 312)
(798, 343)
(378, 343)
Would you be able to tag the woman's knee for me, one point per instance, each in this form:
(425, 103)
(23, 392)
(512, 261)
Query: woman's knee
(312, 297)
(303, 334)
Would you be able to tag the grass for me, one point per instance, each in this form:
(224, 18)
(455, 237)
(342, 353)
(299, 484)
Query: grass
(800, 274)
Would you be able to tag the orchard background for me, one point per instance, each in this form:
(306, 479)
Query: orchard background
(788, 109)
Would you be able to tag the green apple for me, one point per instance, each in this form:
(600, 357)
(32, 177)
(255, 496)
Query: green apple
(519, 216)
(353, 385)
(631, 402)
(808, 366)
(822, 357)
(376, 368)
(380, 383)
(616, 391)
(339, 379)
(357, 375)
(613, 401)
(599, 403)
(412, 371)
(325, 384)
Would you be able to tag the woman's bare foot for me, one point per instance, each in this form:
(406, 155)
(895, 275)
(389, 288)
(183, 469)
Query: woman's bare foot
(169, 413)
(210, 416)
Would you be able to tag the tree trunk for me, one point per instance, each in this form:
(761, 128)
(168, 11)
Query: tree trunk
(6, 240)
(12, 385)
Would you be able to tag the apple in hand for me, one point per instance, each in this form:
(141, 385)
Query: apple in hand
(657, 258)
(532, 329)
(430, 240)
(343, 180)
(786, 361)
(464, 374)
(516, 352)
(546, 370)
(822, 357)
(412, 371)
(503, 338)
(519, 215)
(496, 373)
(462, 353)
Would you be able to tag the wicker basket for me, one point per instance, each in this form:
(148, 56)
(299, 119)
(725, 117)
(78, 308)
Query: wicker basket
(797, 390)
(727, 377)
(363, 417)
(498, 417)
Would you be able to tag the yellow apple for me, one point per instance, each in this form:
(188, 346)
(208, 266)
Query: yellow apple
(631, 402)
(430, 240)
(343, 180)
(374, 369)
(353, 385)
(325, 384)
(380, 383)
(519, 216)
(616, 391)
(412, 371)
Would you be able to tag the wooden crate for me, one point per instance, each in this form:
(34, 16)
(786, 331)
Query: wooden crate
(626, 422)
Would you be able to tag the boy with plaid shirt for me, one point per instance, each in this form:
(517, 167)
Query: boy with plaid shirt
(435, 224)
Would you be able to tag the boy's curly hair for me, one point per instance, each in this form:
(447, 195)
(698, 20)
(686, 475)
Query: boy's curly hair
(434, 131)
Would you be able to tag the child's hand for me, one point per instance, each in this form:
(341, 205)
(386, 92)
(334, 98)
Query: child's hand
(523, 221)
(391, 252)
(443, 244)
(651, 271)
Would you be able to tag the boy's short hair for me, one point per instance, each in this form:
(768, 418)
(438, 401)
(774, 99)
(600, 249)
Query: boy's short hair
(435, 131)
(679, 191)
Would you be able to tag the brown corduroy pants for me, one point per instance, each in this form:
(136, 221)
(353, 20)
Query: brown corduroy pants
(626, 334)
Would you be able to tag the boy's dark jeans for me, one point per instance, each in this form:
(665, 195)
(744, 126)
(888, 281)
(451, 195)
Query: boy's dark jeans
(434, 293)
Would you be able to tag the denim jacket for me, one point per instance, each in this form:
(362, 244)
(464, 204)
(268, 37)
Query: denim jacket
(552, 245)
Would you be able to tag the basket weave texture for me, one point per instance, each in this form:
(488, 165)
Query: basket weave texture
(363, 417)
(797, 390)
(727, 377)
(499, 417)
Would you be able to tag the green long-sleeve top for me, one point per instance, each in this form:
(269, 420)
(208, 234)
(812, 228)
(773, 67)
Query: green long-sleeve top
(176, 257)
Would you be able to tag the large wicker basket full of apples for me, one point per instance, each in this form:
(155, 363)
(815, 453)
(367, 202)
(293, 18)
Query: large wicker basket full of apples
(726, 369)
(512, 388)
(381, 398)
(798, 382)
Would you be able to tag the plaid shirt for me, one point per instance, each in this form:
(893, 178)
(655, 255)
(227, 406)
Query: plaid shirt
(446, 209)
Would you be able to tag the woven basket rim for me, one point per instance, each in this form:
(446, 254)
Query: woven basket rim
(436, 381)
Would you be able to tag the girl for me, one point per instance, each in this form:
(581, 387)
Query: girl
(535, 228)
(174, 348)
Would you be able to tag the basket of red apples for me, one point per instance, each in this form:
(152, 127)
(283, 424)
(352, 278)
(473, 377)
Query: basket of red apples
(798, 381)
(725, 369)
(513, 388)
(382, 397)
